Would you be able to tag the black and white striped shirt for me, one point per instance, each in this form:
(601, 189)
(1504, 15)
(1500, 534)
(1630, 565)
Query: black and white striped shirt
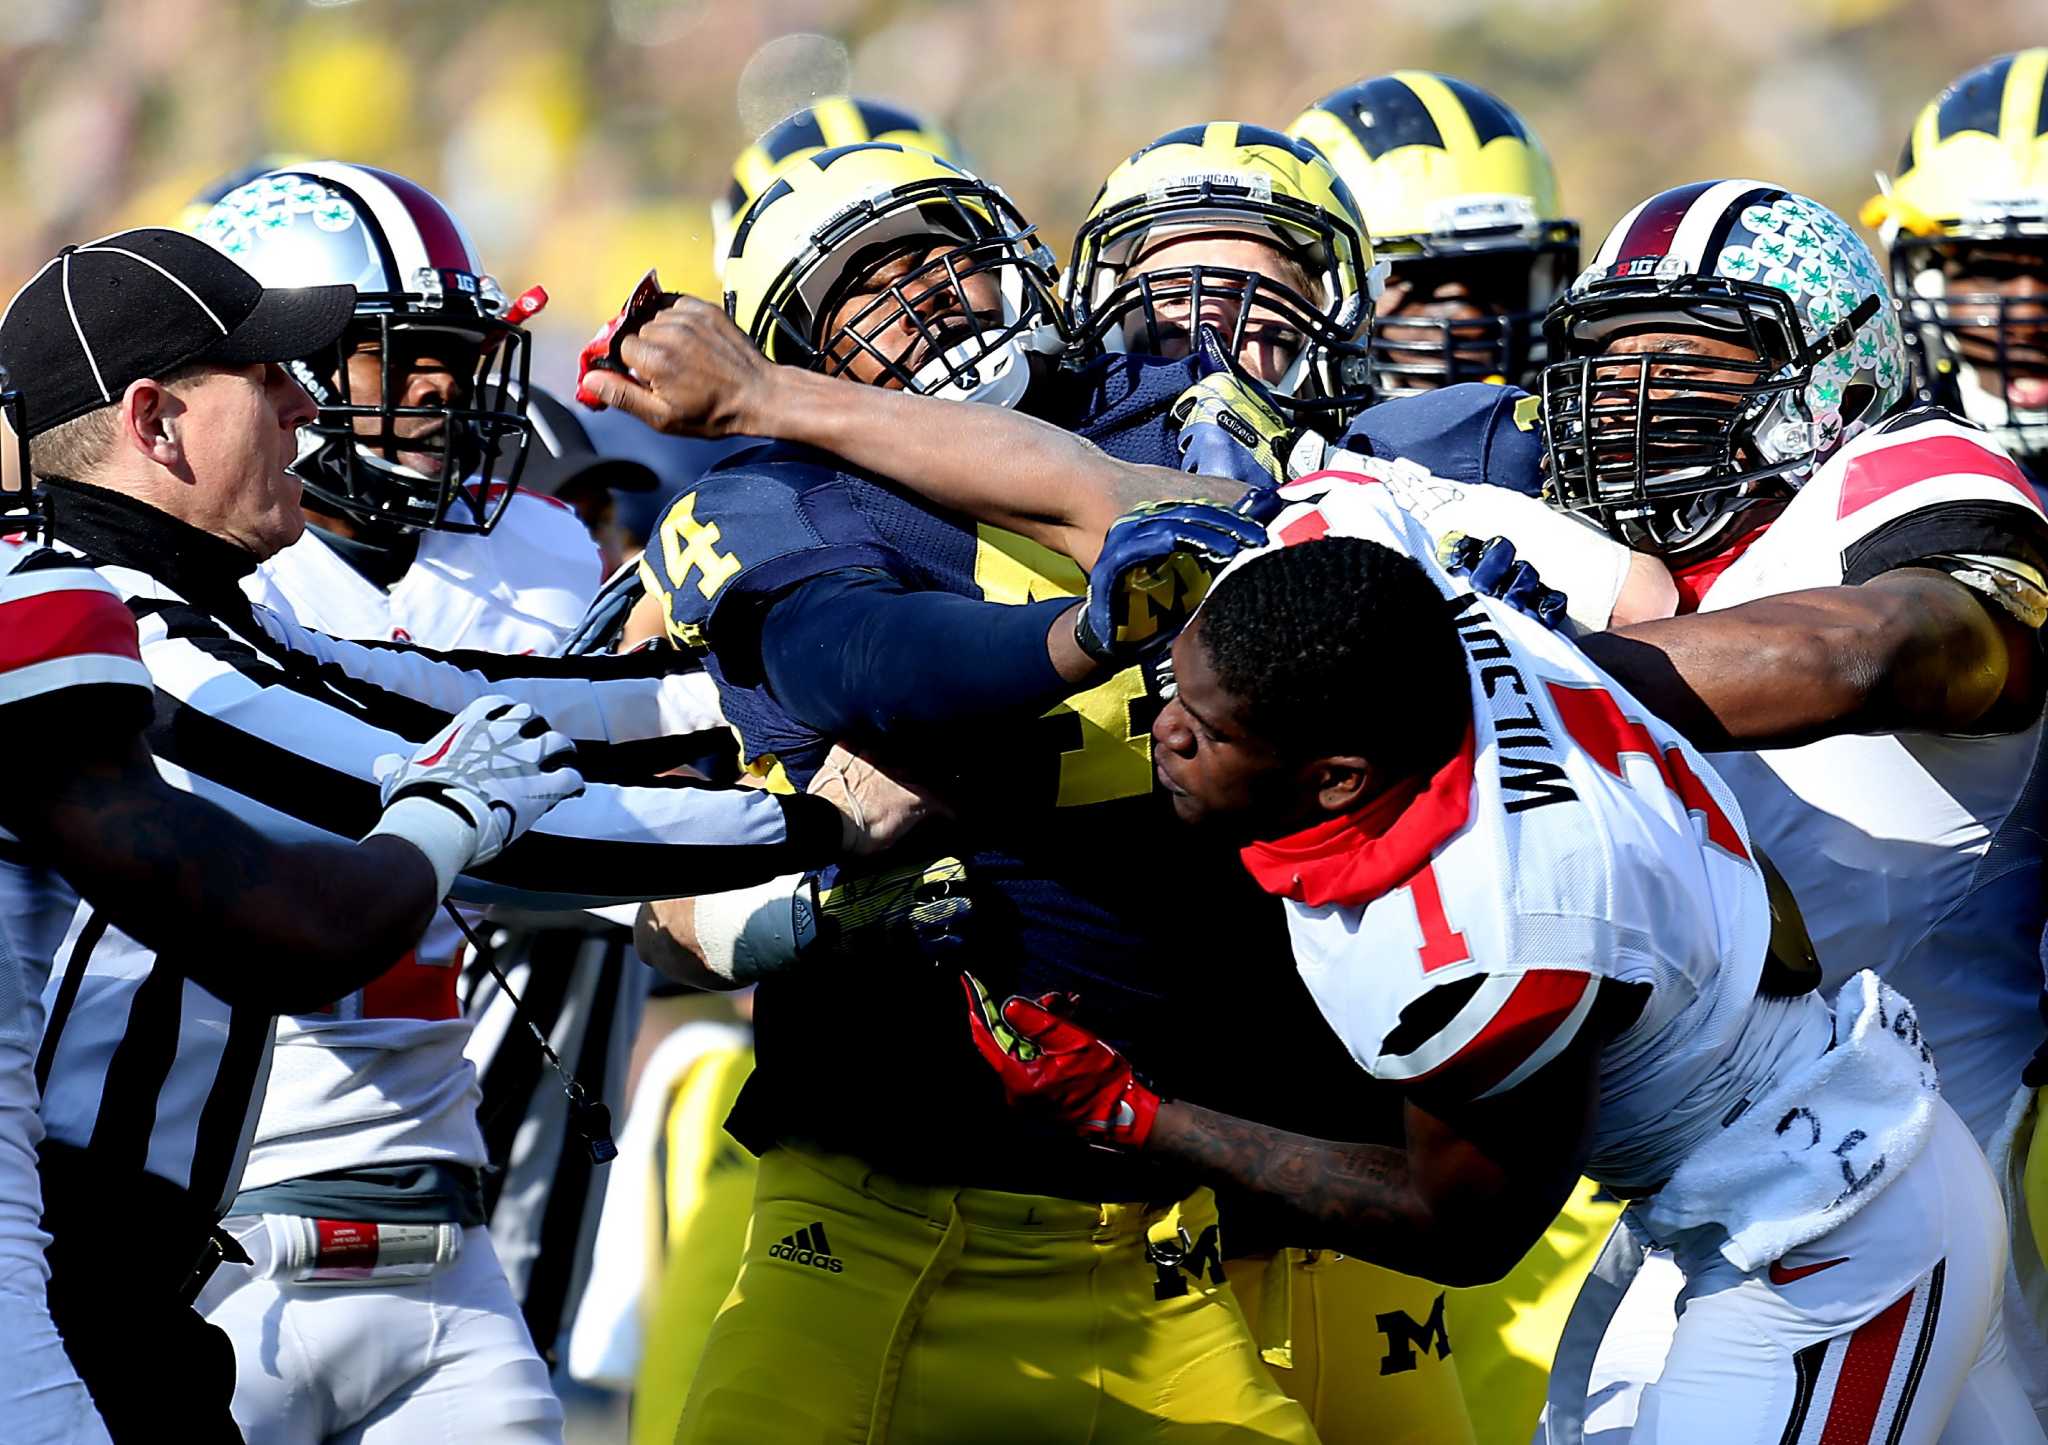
(282, 727)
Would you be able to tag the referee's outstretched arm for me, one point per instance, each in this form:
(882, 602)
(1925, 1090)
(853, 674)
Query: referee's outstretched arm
(199, 885)
(284, 729)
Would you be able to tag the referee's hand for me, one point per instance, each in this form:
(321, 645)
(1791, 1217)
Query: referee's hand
(478, 784)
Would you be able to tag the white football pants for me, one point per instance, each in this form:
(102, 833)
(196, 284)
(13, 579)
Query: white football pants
(446, 1359)
(1885, 1329)
(42, 1400)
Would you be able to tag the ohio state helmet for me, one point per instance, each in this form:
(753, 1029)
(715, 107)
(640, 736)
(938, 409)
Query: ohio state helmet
(1666, 447)
(420, 291)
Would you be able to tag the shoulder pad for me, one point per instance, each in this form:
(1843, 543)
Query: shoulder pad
(1923, 485)
(1473, 432)
(542, 542)
(68, 634)
(754, 525)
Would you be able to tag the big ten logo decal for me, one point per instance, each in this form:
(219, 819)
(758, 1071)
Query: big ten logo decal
(690, 546)
(1405, 1337)
(1176, 1261)
(1103, 736)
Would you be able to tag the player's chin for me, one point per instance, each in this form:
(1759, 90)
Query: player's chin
(1186, 806)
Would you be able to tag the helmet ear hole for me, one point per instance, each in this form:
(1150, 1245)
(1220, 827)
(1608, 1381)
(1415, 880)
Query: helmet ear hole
(1856, 400)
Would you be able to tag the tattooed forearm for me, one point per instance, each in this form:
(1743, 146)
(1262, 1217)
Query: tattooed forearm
(1358, 1198)
(285, 927)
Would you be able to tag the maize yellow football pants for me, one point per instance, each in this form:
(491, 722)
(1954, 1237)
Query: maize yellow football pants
(1365, 1350)
(867, 1309)
(707, 1194)
(2034, 1193)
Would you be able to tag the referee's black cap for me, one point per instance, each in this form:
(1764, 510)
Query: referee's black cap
(144, 302)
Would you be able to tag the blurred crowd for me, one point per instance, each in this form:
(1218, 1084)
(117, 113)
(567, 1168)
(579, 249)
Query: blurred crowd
(579, 140)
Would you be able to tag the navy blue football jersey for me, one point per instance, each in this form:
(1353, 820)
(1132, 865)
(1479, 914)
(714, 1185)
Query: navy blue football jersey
(1085, 882)
(1471, 432)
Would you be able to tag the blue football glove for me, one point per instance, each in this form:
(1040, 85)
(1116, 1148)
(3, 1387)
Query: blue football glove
(1231, 426)
(1492, 568)
(1155, 568)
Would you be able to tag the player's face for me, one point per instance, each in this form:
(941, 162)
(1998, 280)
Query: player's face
(1680, 364)
(1268, 344)
(1436, 316)
(902, 313)
(238, 428)
(1999, 311)
(429, 369)
(1211, 765)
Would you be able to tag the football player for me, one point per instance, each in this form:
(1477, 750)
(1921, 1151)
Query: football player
(176, 490)
(1630, 1005)
(186, 875)
(1461, 199)
(1966, 223)
(888, 1261)
(1860, 580)
(419, 533)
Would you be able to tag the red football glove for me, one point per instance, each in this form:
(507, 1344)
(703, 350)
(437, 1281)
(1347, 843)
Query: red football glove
(1050, 1064)
(601, 352)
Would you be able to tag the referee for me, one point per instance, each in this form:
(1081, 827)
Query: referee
(161, 425)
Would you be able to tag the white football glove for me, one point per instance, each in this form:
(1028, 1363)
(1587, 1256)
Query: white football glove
(476, 785)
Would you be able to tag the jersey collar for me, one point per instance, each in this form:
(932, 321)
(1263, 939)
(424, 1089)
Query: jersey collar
(113, 528)
(1696, 579)
(1355, 857)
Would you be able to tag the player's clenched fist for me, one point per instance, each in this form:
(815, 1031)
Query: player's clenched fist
(675, 362)
(1230, 426)
(876, 809)
(476, 785)
(1154, 569)
(1052, 1066)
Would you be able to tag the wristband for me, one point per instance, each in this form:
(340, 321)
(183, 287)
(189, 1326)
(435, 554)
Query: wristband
(448, 839)
(748, 933)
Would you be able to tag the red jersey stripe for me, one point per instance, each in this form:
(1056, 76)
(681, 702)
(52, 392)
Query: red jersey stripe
(1543, 1000)
(1308, 527)
(1875, 475)
(80, 622)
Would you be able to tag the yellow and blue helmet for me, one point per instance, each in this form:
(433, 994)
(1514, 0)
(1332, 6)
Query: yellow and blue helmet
(837, 120)
(1969, 206)
(1453, 185)
(1233, 181)
(964, 320)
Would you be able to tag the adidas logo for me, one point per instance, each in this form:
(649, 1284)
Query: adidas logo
(807, 1246)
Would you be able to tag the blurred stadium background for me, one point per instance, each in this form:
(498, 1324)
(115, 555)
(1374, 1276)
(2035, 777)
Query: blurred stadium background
(582, 140)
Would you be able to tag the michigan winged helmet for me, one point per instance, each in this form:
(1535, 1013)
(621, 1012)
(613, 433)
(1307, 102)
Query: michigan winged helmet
(1230, 180)
(1966, 221)
(966, 296)
(1456, 191)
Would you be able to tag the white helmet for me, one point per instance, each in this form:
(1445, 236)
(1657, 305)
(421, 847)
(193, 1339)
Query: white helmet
(414, 271)
(1666, 463)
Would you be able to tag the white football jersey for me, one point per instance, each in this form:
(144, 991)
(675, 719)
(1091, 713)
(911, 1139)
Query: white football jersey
(381, 1078)
(61, 626)
(1918, 855)
(1458, 938)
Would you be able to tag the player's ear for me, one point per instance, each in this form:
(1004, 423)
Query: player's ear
(1341, 783)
